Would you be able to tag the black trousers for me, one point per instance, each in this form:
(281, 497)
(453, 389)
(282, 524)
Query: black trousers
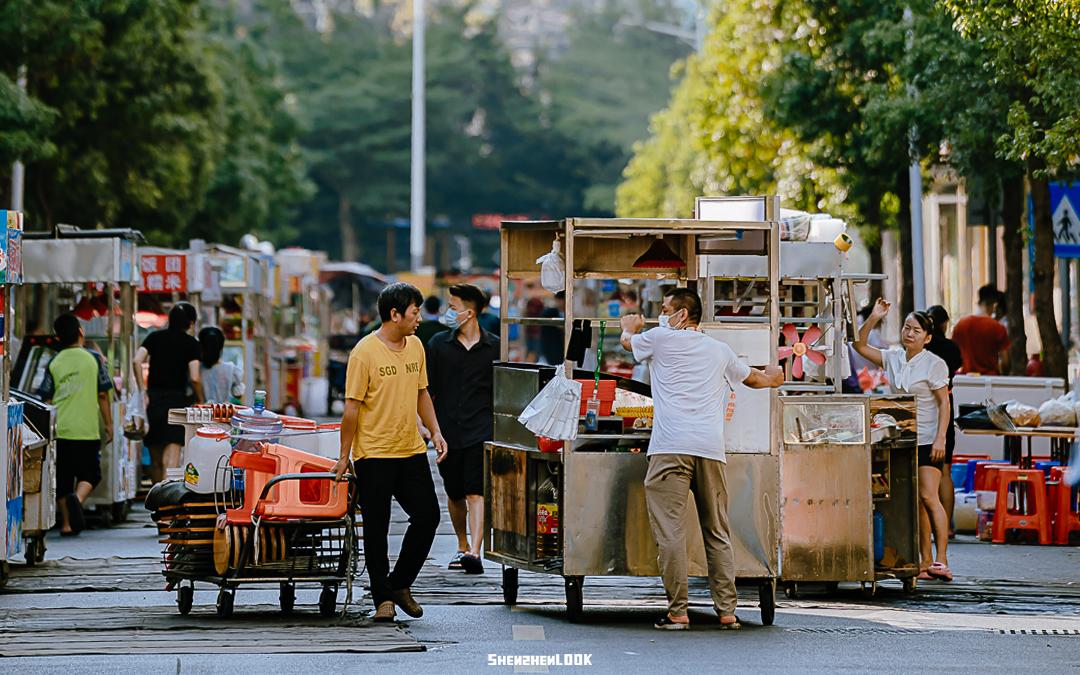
(409, 482)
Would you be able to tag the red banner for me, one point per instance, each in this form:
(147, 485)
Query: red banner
(491, 221)
(163, 273)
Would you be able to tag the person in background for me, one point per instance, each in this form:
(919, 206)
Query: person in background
(386, 388)
(691, 373)
(78, 384)
(950, 354)
(222, 382)
(429, 323)
(982, 340)
(551, 337)
(173, 356)
(489, 318)
(461, 373)
(914, 370)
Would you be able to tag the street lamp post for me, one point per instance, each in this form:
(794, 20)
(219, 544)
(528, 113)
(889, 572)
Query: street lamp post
(417, 232)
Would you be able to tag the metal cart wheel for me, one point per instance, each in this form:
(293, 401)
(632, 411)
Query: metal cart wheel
(574, 599)
(287, 598)
(791, 590)
(35, 550)
(328, 601)
(510, 586)
(869, 589)
(910, 584)
(767, 601)
(121, 511)
(185, 597)
(104, 515)
(225, 603)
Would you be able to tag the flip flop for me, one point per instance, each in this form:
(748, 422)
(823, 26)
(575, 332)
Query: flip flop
(734, 625)
(940, 571)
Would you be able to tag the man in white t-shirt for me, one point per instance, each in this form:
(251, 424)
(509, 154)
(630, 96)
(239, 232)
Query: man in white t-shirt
(691, 372)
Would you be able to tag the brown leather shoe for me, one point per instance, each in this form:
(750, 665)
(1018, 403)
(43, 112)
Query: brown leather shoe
(385, 612)
(404, 599)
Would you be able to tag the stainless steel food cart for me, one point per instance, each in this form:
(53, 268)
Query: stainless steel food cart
(71, 269)
(839, 471)
(599, 478)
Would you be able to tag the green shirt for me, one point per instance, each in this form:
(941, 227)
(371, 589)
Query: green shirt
(74, 372)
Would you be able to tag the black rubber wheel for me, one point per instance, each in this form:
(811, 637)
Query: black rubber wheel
(105, 515)
(767, 602)
(287, 598)
(35, 550)
(791, 591)
(574, 600)
(328, 601)
(185, 596)
(910, 584)
(510, 586)
(225, 603)
(121, 511)
(869, 589)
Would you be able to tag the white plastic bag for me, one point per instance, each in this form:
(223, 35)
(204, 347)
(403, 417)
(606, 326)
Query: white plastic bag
(1022, 414)
(552, 269)
(553, 413)
(1057, 412)
(135, 416)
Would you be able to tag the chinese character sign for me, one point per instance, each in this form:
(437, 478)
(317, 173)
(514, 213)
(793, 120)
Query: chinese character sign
(163, 273)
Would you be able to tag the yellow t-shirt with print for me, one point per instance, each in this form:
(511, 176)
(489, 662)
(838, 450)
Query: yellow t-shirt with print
(386, 383)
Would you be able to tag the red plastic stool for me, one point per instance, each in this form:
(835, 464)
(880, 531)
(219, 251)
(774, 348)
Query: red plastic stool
(986, 475)
(1063, 498)
(1022, 517)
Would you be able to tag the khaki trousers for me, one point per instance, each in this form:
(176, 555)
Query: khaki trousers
(668, 484)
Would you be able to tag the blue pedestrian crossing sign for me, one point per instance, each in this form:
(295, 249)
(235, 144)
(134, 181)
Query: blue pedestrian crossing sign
(1065, 205)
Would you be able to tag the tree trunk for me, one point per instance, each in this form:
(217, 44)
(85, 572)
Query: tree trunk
(350, 250)
(1012, 213)
(872, 216)
(907, 290)
(1055, 357)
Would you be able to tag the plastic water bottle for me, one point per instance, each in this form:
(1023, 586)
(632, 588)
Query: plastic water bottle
(260, 401)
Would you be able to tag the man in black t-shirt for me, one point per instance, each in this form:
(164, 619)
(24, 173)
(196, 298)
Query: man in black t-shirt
(461, 367)
(173, 354)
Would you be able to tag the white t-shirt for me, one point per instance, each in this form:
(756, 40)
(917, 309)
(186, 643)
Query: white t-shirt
(688, 371)
(921, 377)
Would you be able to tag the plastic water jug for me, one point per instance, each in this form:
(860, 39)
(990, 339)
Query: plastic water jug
(203, 456)
(258, 425)
(300, 433)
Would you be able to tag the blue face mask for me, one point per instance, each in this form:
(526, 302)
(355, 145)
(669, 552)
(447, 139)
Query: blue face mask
(451, 318)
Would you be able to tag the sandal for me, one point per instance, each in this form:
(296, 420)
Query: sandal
(940, 571)
(665, 623)
(734, 625)
(455, 561)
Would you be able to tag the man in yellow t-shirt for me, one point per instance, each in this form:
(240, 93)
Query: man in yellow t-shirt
(385, 389)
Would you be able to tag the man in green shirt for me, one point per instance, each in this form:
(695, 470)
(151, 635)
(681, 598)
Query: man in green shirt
(78, 384)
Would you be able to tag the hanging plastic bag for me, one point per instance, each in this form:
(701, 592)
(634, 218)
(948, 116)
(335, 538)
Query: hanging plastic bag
(553, 413)
(552, 269)
(135, 416)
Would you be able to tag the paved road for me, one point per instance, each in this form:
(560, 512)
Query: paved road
(1011, 609)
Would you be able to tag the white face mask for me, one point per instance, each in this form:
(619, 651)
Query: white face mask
(665, 321)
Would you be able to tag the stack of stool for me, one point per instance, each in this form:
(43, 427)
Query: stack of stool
(1063, 504)
(1030, 509)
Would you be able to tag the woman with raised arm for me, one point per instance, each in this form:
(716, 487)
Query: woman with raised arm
(914, 370)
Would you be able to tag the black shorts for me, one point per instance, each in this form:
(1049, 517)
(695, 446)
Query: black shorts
(76, 462)
(950, 443)
(463, 471)
(924, 457)
(157, 417)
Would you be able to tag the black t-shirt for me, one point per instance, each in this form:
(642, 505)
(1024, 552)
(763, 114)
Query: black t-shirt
(462, 384)
(170, 353)
(949, 353)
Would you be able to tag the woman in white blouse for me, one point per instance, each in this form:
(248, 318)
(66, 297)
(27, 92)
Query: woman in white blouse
(913, 370)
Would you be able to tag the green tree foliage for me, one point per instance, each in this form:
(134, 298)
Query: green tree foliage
(137, 114)
(615, 73)
(715, 136)
(1031, 49)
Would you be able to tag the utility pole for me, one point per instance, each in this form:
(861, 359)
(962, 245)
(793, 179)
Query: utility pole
(417, 206)
(18, 171)
(915, 188)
